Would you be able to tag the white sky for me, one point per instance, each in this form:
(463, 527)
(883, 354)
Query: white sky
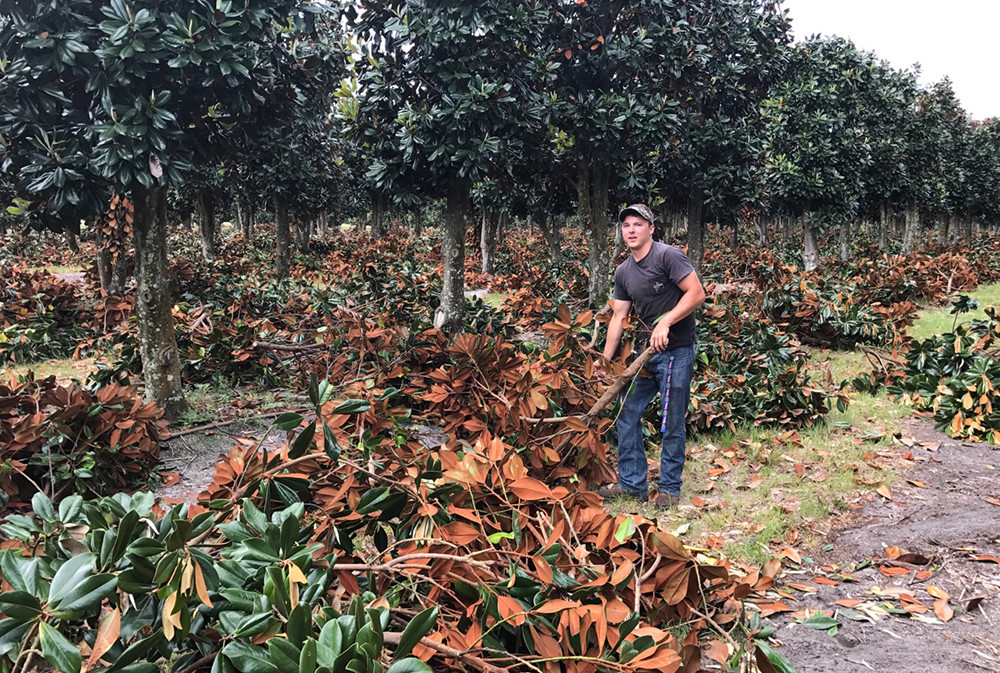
(957, 38)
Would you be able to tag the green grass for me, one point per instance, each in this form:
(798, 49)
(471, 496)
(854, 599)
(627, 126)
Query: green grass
(65, 370)
(937, 320)
(494, 299)
(59, 269)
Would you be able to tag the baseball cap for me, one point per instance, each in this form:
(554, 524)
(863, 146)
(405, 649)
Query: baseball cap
(638, 209)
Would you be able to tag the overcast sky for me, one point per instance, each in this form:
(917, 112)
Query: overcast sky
(957, 38)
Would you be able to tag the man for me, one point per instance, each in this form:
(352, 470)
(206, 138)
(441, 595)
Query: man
(660, 282)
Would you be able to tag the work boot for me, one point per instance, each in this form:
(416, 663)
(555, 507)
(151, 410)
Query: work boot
(666, 501)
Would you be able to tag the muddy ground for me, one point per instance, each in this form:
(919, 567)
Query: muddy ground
(941, 513)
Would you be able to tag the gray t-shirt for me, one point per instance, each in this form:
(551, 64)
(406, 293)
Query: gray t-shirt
(651, 284)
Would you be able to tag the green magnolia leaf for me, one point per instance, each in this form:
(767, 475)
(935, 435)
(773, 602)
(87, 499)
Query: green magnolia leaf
(822, 623)
(70, 575)
(251, 625)
(87, 595)
(625, 529)
(58, 651)
(776, 659)
(418, 627)
(307, 661)
(248, 658)
(352, 407)
(288, 421)
(409, 665)
(302, 443)
(371, 499)
(42, 506)
(20, 605)
(331, 643)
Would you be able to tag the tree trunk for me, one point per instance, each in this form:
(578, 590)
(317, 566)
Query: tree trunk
(74, 244)
(448, 316)
(302, 227)
(379, 227)
(104, 266)
(810, 253)
(696, 227)
(845, 240)
(912, 226)
(488, 240)
(243, 216)
(942, 228)
(552, 235)
(786, 228)
(161, 366)
(418, 223)
(207, 206)
(282, 236)
(884, 224)
(760, 224)
(592, 206)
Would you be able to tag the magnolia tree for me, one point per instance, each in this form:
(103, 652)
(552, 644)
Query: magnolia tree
(447, 95)
(98, 96)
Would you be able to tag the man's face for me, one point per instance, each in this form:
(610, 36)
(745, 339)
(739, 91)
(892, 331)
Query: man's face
(637, 232)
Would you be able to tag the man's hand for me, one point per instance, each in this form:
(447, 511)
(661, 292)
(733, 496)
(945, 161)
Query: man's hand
(661, 335)
(600, 371)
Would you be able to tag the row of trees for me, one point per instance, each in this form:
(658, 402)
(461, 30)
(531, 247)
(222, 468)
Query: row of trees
(514, 108)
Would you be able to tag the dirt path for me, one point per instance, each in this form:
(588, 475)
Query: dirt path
(941, 513)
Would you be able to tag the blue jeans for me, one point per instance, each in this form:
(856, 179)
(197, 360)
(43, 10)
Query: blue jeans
(677, 367)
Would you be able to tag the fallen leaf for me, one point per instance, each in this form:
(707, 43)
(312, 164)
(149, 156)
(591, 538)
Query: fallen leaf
(790, 554)
(825, 580)
(993, 501)
(986, 559)
(803, 587)
(889, 572)
(924, 574)
(893, 552)
(698, 502)
(919, 484)
(169, 478)
(848, 602)
(884, 491)
(943, 610)
(937, 592)
(718, 651)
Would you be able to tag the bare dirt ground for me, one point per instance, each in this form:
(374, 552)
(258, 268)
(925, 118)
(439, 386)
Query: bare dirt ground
(942, 513)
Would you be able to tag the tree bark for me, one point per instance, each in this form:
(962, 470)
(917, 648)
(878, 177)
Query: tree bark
(74, 244)
(911, 227)
(592, 206)
(884, 224)
(302, 227)
(488, 240)
(161, 366)
(448, 316)
(810, 252)
(696, 227)
(418, 223)
(282, 236)
(206, 204)
(552, 235)
(943, 225)
(104, 266)
(845, 240)
(760, 224)
(786, 228)
(379, 227)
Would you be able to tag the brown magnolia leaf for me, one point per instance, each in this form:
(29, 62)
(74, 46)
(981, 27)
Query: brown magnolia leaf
(848, 602)
(698, 502)
(622, 573)
(884, 491)
(527, 488)
(924, 574)
(718, 651)
(169, 478)
(985, 558)
(825, 580)
(556, 605)
(510, 610)
(791, 554)
(107, 634)
(938, 593)
(676, 588)
(918, 484)
(202, 590)
(888, 572)
(803, 587)
(993, 501)
(943, 610)
(460, 533)
(543, 570)
(893, 552)
(768, 609)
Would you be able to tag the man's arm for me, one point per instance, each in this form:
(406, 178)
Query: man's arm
(620, 309)
(694, 295)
